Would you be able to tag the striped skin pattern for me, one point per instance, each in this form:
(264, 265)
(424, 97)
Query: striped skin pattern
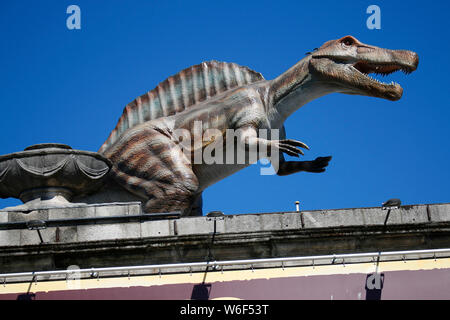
(183, 90)
(150, 165)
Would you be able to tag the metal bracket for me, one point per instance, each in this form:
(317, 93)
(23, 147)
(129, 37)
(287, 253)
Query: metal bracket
(37, 225)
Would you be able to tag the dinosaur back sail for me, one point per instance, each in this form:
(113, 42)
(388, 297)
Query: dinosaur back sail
(181, 91)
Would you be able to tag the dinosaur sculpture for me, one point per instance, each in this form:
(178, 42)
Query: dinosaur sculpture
(149, 162)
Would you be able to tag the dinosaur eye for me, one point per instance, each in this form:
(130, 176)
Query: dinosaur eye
(347, 41)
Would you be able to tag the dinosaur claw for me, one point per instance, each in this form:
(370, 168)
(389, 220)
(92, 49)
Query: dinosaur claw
(290, 147)
(289, 152)
(295, 143)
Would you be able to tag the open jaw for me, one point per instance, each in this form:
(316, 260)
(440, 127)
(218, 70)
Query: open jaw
(374, 87)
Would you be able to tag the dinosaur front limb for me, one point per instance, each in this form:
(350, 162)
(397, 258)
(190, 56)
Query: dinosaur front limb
(289, 167)
(268, 148)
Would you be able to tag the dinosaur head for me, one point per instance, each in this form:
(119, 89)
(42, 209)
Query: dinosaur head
(348, 63)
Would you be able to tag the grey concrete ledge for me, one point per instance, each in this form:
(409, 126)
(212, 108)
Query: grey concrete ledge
(101, 222)
(245, 236)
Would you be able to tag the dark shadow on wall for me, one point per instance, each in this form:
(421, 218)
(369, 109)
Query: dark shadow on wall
(27, 296)
(201, 291)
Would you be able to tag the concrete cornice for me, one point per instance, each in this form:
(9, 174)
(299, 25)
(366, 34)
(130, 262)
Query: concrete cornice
(191, 239)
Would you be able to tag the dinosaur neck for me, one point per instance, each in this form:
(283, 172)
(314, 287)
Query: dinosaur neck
(296, 87)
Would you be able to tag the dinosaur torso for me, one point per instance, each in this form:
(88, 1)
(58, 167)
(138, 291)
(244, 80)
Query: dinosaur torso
(230, 110)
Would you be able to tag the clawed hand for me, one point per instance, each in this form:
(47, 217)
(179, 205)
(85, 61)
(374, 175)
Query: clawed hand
(290, 167)
(289, 146)
(317, 165)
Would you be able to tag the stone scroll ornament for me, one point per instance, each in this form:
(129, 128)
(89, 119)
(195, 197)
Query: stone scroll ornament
(146, 154)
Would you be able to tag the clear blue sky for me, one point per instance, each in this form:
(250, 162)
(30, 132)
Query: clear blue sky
(70, 86)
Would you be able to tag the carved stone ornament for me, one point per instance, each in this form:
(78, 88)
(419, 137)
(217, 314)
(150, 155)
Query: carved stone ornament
(51, 174)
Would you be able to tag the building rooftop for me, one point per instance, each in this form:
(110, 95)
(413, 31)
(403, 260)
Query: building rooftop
(119, 234)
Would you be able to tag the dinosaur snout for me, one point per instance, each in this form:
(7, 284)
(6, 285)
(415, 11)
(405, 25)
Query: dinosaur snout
(409, 60)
